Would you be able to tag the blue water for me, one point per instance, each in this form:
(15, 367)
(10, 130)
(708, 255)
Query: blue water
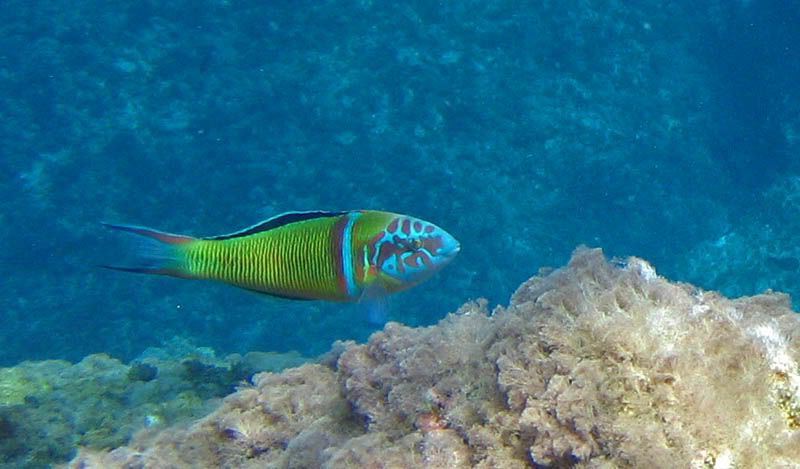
(667, 131)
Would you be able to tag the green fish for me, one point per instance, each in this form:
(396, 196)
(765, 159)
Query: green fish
(334, 256)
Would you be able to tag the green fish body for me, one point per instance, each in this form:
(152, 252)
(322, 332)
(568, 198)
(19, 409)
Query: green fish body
(334, 256)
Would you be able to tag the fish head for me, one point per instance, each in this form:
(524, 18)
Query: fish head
(410, 250)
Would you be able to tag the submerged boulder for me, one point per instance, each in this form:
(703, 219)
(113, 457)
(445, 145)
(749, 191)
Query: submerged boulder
(596, 363)
(49, 408)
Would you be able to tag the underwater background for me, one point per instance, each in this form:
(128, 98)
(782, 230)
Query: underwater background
(665, 130)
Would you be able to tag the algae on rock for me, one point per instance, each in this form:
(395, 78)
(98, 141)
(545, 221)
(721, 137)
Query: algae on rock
(49, 408)
(593, 364)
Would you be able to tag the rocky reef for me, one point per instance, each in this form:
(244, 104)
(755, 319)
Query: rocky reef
(50, 407)
(597, 364)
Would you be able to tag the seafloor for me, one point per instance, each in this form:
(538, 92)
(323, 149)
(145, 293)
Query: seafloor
(597, 364)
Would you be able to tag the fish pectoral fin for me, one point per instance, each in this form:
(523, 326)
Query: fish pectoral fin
(375, 300)
(377, 311)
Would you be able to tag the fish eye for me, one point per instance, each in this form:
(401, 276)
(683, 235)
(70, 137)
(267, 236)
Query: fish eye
(413, 244)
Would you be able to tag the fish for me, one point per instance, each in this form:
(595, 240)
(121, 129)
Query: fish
(344, 256)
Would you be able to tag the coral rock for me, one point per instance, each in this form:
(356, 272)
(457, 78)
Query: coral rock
(595, 364)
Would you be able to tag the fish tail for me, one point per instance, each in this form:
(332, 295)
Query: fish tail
(154, 252)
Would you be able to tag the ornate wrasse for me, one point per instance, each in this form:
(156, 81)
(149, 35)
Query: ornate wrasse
(336, 256)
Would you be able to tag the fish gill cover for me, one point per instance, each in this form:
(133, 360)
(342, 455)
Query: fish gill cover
(665, 131)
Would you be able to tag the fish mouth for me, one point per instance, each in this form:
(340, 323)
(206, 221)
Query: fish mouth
(450, 249)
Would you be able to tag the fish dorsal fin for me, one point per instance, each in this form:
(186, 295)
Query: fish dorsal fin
(277, 221)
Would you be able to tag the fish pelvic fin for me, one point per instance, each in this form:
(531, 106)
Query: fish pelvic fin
(153, 252)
